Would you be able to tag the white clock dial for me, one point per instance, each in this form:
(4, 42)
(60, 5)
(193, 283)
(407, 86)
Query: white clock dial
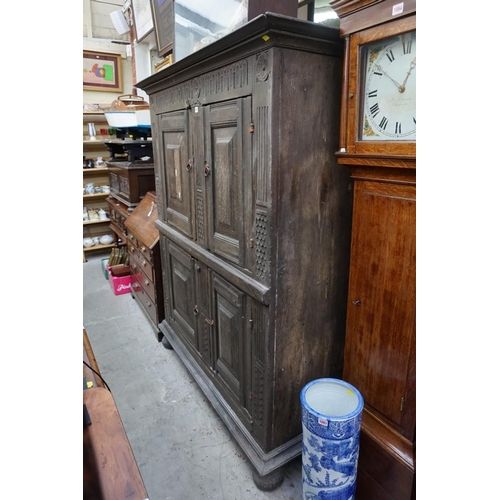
(389, 99)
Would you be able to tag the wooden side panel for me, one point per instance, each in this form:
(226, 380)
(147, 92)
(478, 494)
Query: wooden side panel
(381, 301)
(310, 247)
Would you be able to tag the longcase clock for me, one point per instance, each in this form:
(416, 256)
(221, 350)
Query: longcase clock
(378, 144)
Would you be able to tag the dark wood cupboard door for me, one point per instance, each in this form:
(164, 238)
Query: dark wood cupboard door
(227, 170)
(379, 357)
(203, 313)
(229, 343)
(177, 171)
(182, 293)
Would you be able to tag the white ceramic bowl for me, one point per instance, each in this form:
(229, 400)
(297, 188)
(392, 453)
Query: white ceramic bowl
(88, 242)
(106, 239)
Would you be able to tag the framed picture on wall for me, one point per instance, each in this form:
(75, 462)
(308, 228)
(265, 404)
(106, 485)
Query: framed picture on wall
(143, 18)
(102, 71)
(163, 22)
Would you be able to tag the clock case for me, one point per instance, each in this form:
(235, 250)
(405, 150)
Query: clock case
(352, 111)
(380, 349)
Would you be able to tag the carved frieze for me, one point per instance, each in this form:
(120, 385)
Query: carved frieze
(198, 90)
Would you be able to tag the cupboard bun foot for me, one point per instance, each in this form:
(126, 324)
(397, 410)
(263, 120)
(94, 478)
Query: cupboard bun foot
(166, 343)
(270, 481)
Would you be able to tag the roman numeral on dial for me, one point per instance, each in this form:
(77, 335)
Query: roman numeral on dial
(397, 129)
(407, 47)
(390, 56)
(373, 93)
(383, 123)
(374, 110)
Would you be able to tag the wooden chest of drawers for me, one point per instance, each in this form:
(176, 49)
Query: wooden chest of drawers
(130, 181)
(145, 262)
(118, 213)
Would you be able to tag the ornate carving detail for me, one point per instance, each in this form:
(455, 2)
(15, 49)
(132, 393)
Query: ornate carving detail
(196, 88)
(261, 250)
(199, 216)
(192, 92)
(205, 341)
(113, 181)
(159, 197)
(263, 69)
(124, 185)
(258, 407)
(258, 332)
(262, 152)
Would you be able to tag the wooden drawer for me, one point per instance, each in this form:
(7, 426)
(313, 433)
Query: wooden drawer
(140, 281)
(145, 251)
(132, 239)
(147, 304)
(138, 248)
(139, 264)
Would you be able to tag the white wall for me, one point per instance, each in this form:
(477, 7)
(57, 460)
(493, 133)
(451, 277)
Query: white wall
(97, 21)
(98, 33)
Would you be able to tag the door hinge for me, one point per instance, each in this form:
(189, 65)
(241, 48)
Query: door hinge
(402, 405)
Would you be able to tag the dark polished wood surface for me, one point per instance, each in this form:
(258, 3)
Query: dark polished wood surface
(145, 260)
(142, 221)
(380, 345)
(88, 356)
(110, 471)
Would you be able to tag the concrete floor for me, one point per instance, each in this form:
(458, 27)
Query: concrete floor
(182, 447)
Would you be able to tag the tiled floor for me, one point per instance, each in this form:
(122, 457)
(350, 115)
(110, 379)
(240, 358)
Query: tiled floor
(182, 447)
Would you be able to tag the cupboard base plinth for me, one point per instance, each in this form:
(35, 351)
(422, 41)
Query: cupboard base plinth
(264, 463)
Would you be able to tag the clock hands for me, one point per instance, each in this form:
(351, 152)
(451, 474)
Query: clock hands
(392, 79)
(401, 88)
(412, 65)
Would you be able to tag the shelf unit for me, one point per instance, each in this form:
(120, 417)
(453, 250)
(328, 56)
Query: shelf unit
(99, 176)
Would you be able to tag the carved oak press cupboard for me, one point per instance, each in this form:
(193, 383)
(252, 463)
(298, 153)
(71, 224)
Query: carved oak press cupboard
(254, 219)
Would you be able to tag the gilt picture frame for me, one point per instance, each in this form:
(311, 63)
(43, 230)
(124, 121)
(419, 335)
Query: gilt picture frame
(102, 71)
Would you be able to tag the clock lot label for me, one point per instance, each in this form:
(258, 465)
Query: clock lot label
(398, 8)
(389, 100)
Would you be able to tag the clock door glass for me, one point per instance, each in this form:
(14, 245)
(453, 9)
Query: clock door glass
(388, 101)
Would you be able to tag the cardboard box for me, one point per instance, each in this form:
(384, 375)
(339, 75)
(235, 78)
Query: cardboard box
(119, 284)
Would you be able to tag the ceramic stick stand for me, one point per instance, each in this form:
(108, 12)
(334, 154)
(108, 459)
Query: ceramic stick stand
(331, 424)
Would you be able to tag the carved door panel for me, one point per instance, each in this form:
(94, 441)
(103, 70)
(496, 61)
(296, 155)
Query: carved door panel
(230, 344)
(177, 171)
(227, 169)
(379, 359)
(181, 282)
(204, 315)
